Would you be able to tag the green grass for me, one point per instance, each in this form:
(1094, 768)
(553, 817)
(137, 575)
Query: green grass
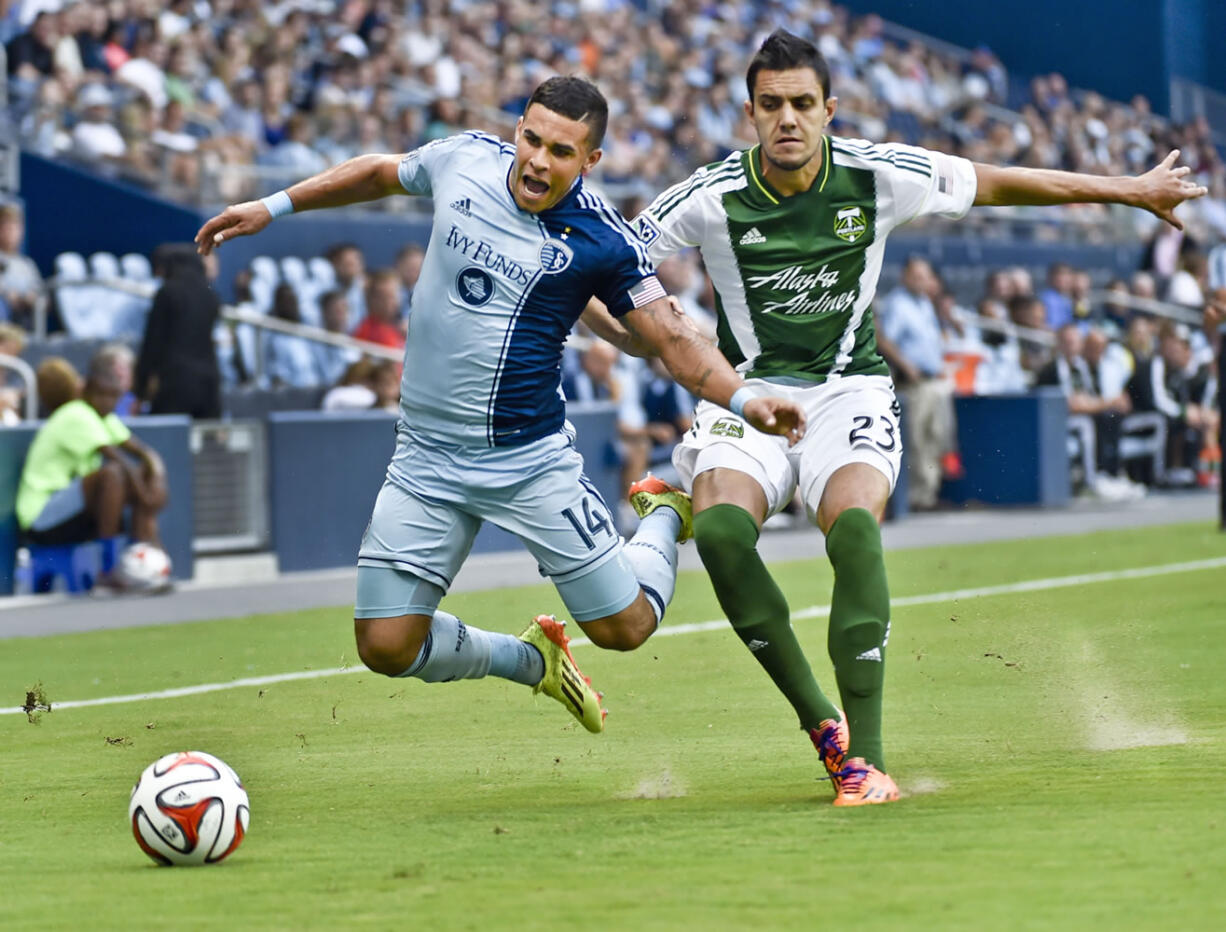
(388, 804)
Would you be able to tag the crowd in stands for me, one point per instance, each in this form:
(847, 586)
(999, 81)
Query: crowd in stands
(221, 100)
(226, 98)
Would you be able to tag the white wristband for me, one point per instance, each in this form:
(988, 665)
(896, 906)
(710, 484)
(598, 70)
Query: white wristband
(739, 397)
(278, 204)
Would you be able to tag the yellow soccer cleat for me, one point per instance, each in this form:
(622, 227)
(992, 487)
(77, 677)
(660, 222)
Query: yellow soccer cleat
(862, 784)
(650, 493)
(563, 680)
(831, 739)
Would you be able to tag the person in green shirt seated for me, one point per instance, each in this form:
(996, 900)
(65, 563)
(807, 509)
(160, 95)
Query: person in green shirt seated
(85, 468)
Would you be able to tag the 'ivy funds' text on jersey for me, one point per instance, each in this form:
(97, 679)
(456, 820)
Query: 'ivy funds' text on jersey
(794, 276)
(499, 291)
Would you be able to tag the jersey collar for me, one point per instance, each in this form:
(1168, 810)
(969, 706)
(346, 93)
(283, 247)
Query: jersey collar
(765, 190)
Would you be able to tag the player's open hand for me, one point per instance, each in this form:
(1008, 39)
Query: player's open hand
(776, 416)
(236, 220)
(1164, 187)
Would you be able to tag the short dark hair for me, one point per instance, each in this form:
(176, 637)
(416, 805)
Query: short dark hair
(782, 51)
(575, 98)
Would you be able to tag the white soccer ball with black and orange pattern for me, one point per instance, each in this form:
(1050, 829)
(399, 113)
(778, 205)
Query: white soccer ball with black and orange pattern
(189, 808)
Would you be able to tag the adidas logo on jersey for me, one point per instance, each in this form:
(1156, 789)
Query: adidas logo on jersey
(463, 206)
(752, 237)
(874, 654)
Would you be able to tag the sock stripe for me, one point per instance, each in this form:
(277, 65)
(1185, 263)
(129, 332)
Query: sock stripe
(657, 602)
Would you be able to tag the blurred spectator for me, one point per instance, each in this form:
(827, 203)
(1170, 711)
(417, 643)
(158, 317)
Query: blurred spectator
(668, 409)
(289, 359)
(332, 361)
(1057, 297)
(85, 468)
(176, 370)
(1185, 393)
(95, 139)
(58, 383)
(912, 344)
(12, 386)
(600, 379)
(31, 54)
(21, 286)
(349, 269)
(1187, 286)
(383, 323)
(408, 267)
(385, 379)
(1095, 418)
(1029, 312)
(355, 391)
(1000, 369)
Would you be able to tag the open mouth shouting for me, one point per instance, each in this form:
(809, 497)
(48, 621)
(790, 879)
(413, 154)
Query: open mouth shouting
(535, 188)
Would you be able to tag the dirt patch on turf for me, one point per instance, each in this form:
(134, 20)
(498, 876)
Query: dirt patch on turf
(660, 786)
(921, 786)
(1114, 717)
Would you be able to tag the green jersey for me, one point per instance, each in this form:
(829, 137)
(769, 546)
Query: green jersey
(794, 276)
(65, 448)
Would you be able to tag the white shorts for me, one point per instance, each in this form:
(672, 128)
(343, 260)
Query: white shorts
(850, 420)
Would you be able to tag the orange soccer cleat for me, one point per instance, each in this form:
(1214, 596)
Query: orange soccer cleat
(650, 493)
(862, 784)
(830, 738)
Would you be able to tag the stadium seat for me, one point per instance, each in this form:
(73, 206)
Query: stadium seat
(104, 265)
(71, 267)
(294, 271)
(322, 273)
(264, 268)
(76, 567)
(135, 267)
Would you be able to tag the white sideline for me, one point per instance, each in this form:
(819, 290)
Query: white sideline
(815, 611)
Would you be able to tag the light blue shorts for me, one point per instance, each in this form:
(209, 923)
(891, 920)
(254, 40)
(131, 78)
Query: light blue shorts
(436, 498)
(67, 503)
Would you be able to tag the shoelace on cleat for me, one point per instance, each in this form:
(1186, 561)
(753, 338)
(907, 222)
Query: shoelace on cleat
(850, 778)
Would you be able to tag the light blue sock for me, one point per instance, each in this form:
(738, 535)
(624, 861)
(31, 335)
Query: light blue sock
(652, 553)
(456, 651)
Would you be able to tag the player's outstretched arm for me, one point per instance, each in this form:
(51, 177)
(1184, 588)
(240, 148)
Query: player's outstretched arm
(702, 370)
(364, 178)
(1160, 190)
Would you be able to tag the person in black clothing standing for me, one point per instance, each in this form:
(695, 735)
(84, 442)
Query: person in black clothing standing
(176, 371)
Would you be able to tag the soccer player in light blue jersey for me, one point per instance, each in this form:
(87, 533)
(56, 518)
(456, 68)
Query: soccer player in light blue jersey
(518, 247)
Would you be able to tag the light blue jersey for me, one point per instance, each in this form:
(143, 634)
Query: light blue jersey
(500, 289)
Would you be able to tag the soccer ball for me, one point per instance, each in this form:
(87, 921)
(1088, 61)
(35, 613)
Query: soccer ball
(188, 808)
(144, 566)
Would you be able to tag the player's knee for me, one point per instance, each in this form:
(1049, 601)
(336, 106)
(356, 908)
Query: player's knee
(623, 632)
(724, 535)
(384, 650)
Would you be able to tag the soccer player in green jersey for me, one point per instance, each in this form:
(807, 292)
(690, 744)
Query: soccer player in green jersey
(792, 232)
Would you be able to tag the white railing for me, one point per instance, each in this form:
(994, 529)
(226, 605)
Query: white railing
(22, 368)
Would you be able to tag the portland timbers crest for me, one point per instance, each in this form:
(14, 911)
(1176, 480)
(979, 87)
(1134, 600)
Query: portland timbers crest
(850, 224)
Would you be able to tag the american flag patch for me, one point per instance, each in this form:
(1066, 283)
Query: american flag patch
(646, 291)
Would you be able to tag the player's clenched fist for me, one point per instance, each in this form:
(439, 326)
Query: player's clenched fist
(236, 220)
(776, 416)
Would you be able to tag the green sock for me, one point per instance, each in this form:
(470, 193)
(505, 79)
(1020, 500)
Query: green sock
(859, 627)
(727, 539)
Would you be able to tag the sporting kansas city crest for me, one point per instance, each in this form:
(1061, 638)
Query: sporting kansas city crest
(849, 224)
(475, 286)
(555, 256)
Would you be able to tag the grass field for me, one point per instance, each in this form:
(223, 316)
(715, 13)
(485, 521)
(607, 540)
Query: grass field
(1062, 752)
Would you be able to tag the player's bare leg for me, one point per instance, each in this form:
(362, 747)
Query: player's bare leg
(849, 514)
(729, 507)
